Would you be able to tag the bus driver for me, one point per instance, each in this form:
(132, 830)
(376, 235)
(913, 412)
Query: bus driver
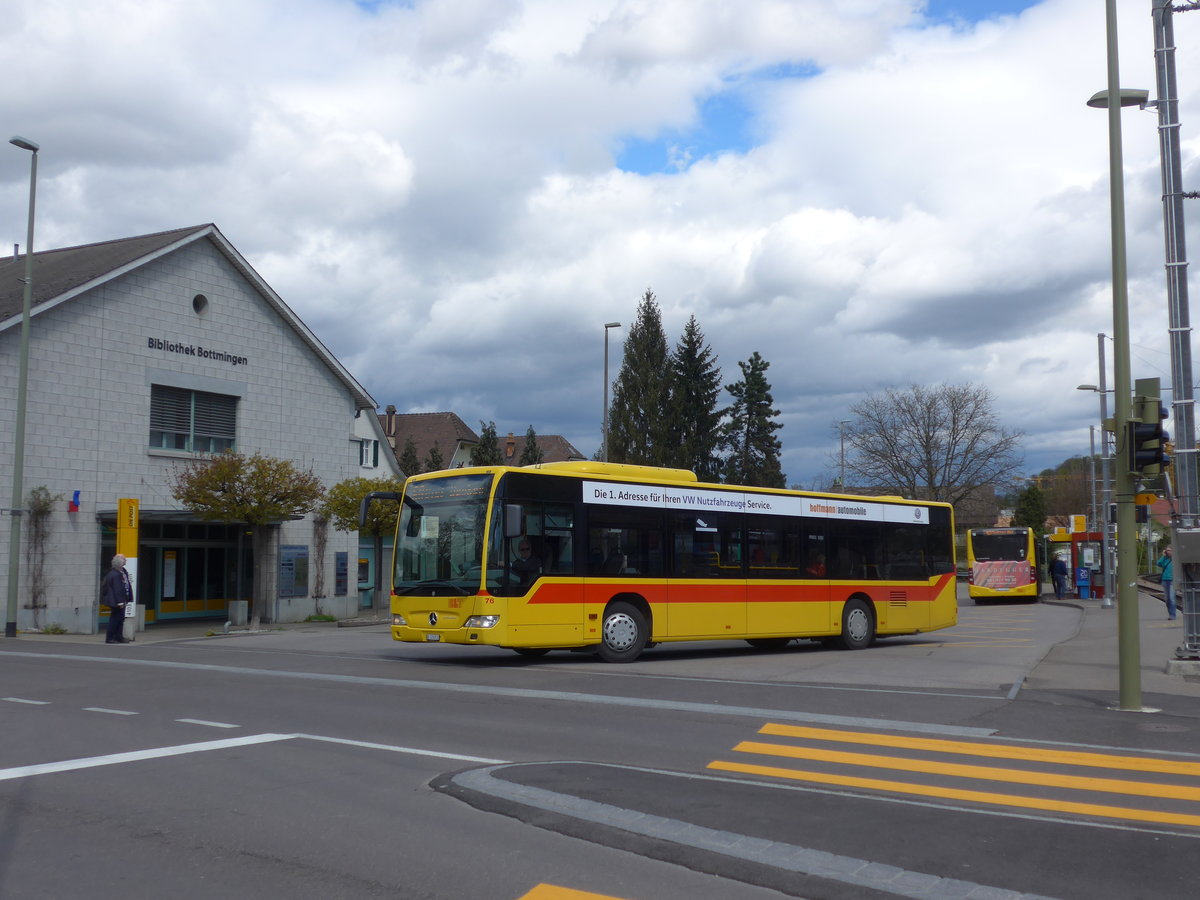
(526, 567)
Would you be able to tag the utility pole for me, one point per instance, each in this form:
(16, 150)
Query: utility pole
(1128, 637)
(1185, 524)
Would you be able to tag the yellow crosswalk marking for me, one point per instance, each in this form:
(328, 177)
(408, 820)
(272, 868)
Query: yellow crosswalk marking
(553, 892)
(1087, 809)
(1177, 797)
(996, 751)
(979, 773)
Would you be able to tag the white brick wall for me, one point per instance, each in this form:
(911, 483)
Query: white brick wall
(87, 418)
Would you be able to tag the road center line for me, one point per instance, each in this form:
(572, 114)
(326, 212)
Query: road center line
(510, 693)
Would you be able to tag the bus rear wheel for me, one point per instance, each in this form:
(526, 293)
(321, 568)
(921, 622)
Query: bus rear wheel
(858, 625)
(624, 633)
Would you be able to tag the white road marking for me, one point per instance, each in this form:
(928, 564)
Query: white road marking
(111, 712)
(209, 724)
(181, 749)
(30, 702)
(68, 765)
(412, 750)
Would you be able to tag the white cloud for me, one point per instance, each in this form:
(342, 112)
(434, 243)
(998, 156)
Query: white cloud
(928, 203)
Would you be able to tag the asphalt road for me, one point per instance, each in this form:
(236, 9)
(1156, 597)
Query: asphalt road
(332, 762)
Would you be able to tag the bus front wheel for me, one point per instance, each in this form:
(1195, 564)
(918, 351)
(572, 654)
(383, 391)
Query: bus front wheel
(624, 633)
(858, 625)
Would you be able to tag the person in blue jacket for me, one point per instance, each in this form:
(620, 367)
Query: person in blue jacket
(1058, 574)
(1166, 562)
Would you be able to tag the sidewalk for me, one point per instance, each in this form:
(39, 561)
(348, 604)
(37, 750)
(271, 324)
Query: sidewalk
(208, 629)
(1090, 659)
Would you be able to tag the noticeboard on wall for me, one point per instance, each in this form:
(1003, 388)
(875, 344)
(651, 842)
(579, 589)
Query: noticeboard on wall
(341, 572)
(293, 571)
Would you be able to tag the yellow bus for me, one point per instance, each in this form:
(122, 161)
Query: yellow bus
(617, 558)
(1002, 564)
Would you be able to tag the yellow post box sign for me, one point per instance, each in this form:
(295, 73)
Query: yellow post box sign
(127, 527)
(127, 543)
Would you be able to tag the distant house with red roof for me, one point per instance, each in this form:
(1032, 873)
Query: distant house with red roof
(455, 439)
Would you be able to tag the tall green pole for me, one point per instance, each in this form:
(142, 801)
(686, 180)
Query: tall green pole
(14, 537)
(1128, 638)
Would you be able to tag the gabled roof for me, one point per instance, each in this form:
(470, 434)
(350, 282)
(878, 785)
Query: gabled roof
(554, 447)
(62, 275)
(445, 429)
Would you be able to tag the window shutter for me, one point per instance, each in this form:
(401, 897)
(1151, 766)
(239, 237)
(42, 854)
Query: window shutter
(216, 416)
(170, 409)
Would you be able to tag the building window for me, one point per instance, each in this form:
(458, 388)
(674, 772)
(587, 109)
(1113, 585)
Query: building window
(368, 454)
(195, 421)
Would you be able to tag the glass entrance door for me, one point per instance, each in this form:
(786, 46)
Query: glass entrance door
(194, 581)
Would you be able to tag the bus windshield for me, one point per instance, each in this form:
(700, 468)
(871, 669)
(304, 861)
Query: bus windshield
(1011, 545)
(439, 543)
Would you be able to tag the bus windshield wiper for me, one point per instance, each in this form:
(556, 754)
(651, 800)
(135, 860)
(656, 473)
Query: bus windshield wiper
(421, 586)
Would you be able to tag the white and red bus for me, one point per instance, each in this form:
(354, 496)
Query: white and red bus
(1002, 564)
(616, 558)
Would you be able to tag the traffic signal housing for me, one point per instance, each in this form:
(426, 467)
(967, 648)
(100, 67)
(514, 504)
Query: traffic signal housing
(1147, 439)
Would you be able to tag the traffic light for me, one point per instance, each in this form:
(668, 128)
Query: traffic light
(1147, 441)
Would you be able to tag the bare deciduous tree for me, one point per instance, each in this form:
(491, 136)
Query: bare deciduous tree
(933, 443)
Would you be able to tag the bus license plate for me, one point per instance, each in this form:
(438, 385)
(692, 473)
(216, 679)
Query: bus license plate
(433, 637)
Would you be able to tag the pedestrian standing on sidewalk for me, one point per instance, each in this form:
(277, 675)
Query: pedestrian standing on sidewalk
(115, 592)
(1058, 574)
(1166, 562)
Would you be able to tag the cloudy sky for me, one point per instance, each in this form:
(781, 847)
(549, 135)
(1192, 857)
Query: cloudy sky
(456, 195)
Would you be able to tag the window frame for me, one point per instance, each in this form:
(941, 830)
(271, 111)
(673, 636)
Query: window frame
(192, 421)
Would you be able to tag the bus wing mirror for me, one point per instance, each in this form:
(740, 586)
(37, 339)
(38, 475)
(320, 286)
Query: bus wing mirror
(514, 515)
(365, 504)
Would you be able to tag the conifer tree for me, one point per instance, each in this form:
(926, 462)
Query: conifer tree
(434, 460)
(695, 437)
(639, 415)
(1031, 509)
(750, 432)
(532, 453)
(487, 451)
(409, 464)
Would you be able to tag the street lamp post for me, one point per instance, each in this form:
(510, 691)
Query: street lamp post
(604, 439)
(14, 536)
(1128, 650)
(1185, 521)
(842, 434)
(1105, 482)
(1095, 517)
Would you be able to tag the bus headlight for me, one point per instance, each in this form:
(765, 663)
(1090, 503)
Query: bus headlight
(398, 619)
(482, 622)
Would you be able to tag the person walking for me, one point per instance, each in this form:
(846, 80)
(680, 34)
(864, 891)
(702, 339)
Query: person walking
(115, 592)
(1058, 574)
(1166, 562)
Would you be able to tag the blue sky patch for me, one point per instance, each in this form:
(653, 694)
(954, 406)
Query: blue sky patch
(725, 124)
(974, 10)
(726, 119)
